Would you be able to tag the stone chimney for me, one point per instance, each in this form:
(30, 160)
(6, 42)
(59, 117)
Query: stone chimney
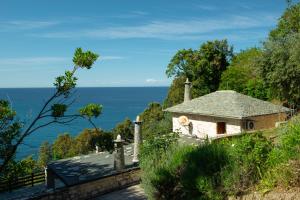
(119, 159)
(137, 139)
(187, 90)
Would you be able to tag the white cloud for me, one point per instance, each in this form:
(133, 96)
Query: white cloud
(170, 30)
(31, 60)
(151, 80)
(111, 58)
(15, 25)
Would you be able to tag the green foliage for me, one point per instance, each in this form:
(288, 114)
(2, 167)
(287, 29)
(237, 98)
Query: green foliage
(171, 171)
(280, 68)
(155, 121)
(11, 134)
(176, 92)
(20, 168)
(105, 141)
(248, 155)
(64, 84)
(58, 110)
(89, 138)
(63, 147)
(91, 110)
(284, 160)
(66, 146)
(45, 154)
(125, 129)
(289, 23)
(203, 67)
(209, 171)
(84, 59)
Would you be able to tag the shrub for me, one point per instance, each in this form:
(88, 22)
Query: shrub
(248, 155)
(172, 171)
(284, 160)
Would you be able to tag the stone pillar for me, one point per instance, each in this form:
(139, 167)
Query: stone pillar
(97, 148)
(187, 90)
(49, 178)
(137, 139)
(119, 160)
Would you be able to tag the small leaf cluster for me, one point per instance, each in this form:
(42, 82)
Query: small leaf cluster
(84, 59)
(58, 110)
(91, 110)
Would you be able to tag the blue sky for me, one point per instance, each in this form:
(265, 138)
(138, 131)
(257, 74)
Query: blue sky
(135, 38)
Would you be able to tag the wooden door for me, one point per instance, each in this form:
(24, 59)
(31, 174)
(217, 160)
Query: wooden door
(221, 127)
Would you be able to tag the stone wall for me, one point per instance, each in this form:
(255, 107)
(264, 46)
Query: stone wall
(95, 188)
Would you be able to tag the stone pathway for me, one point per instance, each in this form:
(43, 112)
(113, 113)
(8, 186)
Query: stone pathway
(131, 193)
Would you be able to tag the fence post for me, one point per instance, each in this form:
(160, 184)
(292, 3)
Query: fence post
(9, 185)
(32, 178)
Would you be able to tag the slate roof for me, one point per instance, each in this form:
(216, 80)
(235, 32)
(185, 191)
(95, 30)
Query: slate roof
(85, 168)
(228, 104)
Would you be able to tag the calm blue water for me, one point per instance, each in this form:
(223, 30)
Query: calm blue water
(118, 103)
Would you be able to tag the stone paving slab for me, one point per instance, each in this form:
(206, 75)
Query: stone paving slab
(135, 192)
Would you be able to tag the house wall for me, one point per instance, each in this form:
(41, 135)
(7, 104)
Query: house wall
(267, 121)
(205, 125)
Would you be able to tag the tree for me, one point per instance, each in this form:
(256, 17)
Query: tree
(176, 92)
(155, 121)
(289, 22)
(243, 75)
(203, 67)
(64, 147)
(86, 141)
(54, 110)
(280, 68)
(125, 129)
(45, 154)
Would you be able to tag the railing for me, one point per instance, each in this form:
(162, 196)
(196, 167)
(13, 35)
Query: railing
(19, 182)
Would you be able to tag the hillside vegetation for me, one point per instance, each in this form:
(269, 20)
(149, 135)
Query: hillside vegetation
(230, 166)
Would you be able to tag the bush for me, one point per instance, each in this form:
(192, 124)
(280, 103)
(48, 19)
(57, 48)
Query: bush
(171, 171)
(284, 160)
(248, 155)
(210, 171)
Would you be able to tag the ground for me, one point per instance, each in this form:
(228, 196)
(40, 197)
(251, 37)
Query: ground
(131, 193)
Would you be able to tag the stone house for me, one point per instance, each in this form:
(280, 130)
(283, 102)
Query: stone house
(223, 113)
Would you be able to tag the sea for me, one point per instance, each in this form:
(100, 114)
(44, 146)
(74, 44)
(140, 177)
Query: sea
(118, 103)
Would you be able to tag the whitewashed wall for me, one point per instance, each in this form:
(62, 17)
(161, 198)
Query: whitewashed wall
(203, 125)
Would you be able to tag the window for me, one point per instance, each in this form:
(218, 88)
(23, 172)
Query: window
(221, 127)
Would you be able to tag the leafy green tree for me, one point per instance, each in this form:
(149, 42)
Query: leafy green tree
(125, 129)
(243, 75)
(86, 141)
(280, 68)
(155, 121)
(53, 111)
(64, 147)
(20, 168)
(45, 154)
(104, 140)
(176, 92)
(203, 67)
(289, 22)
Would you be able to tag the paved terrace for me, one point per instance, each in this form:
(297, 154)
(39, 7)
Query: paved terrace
(80, 169)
